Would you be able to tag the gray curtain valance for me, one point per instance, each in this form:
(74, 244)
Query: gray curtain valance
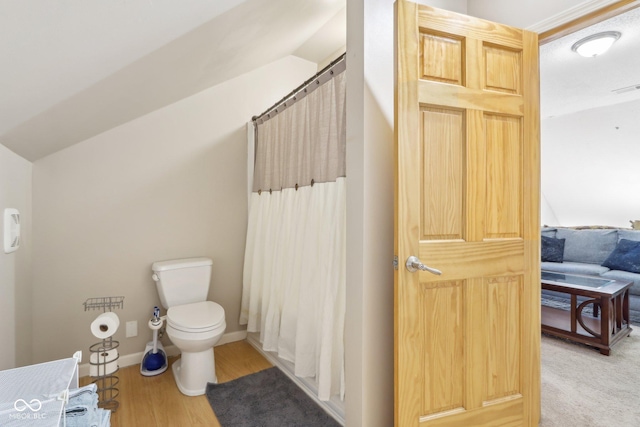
(305, 142)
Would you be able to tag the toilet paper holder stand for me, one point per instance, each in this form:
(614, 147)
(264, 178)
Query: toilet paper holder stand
(106, 381)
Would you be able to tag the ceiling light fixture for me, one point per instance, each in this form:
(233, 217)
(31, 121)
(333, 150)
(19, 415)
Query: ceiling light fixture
(596, 44)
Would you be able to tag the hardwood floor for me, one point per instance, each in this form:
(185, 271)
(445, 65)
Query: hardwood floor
(156, 401)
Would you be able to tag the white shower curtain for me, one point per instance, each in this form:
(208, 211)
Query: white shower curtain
(294, 271)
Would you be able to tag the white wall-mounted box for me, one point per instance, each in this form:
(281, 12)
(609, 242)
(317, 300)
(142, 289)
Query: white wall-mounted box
(11, 230)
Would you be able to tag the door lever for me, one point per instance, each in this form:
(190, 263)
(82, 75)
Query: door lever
(414, 264)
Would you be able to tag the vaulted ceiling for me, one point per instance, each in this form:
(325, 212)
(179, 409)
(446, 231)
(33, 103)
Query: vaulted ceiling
(74, 68)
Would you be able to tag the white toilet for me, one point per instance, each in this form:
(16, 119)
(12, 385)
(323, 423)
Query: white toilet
(194, 324)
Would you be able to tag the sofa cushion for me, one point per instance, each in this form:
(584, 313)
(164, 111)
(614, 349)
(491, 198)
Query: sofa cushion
(626, 276)
(548, 232)
(552, 249)
(574, 267)
(590, 246)
(629, 235)
(625, 257)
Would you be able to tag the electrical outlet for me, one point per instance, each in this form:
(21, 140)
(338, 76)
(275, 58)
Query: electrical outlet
(132, 328)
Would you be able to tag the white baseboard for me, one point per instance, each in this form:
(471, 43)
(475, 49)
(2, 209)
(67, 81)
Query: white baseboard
(171, 350)
(232, 337)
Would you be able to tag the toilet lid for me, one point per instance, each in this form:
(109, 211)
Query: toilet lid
(197, 315)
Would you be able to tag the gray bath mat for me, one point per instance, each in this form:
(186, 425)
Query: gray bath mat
(265, 399)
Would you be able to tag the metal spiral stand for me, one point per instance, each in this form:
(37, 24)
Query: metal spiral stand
(106, 383)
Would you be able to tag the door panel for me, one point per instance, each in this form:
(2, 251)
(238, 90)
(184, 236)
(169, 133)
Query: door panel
(467, 203)
(503, 140)
(502, 310)
(443, 180)
(441, 57)
(443, 358)
(502, 69)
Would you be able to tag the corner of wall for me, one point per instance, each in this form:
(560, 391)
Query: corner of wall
(15, 268)
(369, 328)
(354, 352)
(326, 61)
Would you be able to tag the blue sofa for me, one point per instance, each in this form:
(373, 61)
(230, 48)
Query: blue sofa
(591, 251)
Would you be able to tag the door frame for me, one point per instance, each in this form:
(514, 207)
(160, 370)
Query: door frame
(587, 20)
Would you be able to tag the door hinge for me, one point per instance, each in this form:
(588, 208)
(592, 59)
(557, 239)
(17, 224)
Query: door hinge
(395, 262)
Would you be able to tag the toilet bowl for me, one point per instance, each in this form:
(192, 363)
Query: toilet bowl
(195, 328)
(194, 324)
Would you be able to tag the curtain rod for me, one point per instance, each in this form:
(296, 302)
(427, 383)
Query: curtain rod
(300, 88)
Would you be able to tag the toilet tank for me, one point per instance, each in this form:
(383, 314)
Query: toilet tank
(182, 281)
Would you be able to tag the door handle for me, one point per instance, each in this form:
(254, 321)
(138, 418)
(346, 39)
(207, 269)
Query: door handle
(414, 264)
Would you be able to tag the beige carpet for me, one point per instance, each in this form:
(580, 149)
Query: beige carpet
(581, 387)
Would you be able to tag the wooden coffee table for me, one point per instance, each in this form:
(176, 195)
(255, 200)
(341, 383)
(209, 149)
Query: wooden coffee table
(611, 297)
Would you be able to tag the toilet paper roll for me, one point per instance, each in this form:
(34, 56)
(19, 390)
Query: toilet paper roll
(103, 363)
(105, 325)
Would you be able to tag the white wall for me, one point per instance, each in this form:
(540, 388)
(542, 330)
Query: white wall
(15, 268)
(590, 162)
(459, 6)
(171, 184)
(547, 214)
(369, 324)
(370, 165)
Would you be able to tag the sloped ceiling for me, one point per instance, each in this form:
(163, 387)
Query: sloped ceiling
(73, 69)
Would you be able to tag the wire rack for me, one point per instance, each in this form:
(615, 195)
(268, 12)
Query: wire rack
(106, 383)
(104, 303)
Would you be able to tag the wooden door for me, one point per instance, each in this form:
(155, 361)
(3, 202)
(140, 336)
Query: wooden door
(467, 349)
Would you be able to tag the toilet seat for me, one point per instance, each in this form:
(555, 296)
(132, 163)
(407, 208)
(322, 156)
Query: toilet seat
(196, 317)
